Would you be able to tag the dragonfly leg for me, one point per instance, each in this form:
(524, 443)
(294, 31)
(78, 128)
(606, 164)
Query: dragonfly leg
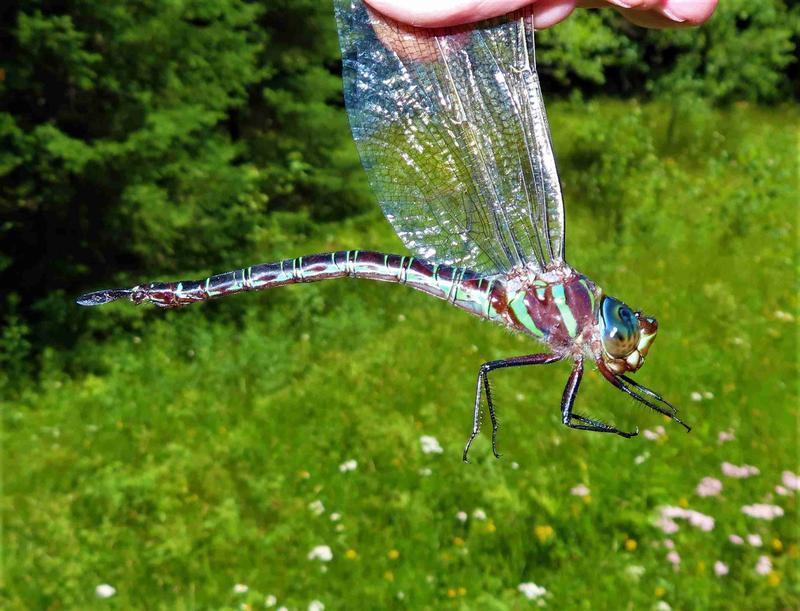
(620, 382)
(568, 400)
(483, 383)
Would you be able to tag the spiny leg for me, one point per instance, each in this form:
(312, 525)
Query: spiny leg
(483, 381)
(617, 380)
(492, 415)
(568, 400)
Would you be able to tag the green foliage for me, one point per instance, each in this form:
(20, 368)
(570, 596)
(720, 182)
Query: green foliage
(189, 454)
(151, 136)
(742, 53)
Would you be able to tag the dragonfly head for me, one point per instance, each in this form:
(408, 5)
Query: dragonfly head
(626, 335)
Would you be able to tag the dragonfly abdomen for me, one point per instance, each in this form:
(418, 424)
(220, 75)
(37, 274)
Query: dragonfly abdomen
(460, 286)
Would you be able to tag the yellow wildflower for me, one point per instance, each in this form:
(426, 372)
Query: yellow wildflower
(490, 527)
(393, 554)
(452, 592)
(660, 591)
(462, 591)
(543, 532)
(777, 545)
(388, 576)
(351, 554)
(774, 578)
(630, 545)
(683, 502)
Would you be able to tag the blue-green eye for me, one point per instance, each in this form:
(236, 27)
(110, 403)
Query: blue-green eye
(619, 327)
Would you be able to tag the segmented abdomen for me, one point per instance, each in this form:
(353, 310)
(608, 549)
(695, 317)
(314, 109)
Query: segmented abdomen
(460, 286)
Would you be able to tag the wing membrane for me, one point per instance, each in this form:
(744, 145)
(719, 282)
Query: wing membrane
(451, 128)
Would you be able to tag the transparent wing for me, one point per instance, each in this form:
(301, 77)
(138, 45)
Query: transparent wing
(451, 128)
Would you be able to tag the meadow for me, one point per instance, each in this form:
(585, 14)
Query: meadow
(274, 449)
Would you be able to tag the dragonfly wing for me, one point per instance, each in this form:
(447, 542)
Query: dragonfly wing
(451, 128)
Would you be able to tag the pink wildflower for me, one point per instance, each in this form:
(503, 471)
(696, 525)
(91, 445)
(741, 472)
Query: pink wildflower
(724, 436)
(735, 539)
(667, 526)
(669, 544)
(709, 486)
(720, 568)
(739, 472)
(764, 565)
(763, 511)
(755, 540)
(790, 480)
(782, 491)
(653, 435)
(674, 558)
(580, 490)
(695, 518)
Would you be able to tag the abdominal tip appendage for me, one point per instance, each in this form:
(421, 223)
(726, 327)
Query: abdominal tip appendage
(101, 297)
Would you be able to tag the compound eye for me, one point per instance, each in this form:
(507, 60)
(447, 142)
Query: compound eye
(620, 328)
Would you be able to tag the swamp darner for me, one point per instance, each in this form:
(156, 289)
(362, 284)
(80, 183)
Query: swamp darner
(451, 128)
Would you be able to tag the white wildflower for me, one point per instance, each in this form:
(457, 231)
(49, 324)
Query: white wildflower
(270, 600)
(321, 552)
(105, 591)
(316, 605)
(634, 571)
(461, 516)
(336, 516)
(720, 568)
(696, 396)
(430, 445)
(425, 471)
(479, 514)
(531, 591)
(348, 465)
(240, 588)
(316, 507)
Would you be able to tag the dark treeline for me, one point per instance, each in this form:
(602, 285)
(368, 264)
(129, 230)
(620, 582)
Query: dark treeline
(159, 138)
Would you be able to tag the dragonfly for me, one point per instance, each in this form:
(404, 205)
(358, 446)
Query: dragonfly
(451, 128)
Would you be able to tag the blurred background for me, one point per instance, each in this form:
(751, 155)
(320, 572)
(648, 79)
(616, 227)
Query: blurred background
(272, 449)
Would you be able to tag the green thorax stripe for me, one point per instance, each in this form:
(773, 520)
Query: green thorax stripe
(520, 309)
(563, 308)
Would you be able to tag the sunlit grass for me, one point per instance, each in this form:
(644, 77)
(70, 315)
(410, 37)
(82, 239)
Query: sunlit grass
(196, 453)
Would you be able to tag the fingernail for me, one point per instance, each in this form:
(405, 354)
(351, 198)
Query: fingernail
(672, 15)
(621, 3)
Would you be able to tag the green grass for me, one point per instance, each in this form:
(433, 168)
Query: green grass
(179, 456)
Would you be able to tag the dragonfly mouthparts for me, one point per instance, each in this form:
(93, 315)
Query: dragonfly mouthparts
(101, 297)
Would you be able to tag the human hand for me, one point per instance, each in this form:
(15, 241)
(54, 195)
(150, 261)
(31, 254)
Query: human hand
(645, 13)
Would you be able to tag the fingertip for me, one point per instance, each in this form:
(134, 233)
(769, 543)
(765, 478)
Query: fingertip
(547, 13)
(689, 12)
(442, 13)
